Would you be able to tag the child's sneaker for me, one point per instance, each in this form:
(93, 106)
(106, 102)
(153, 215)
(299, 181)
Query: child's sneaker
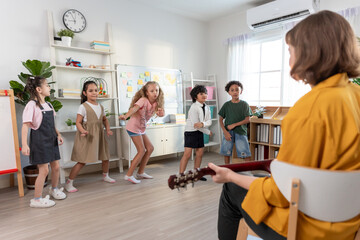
(132, 179)
(42, 202)
(108, 179)
(57, 193)
(70, 188)
(144, 176)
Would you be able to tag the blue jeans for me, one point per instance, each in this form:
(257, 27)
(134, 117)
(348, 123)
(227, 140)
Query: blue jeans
(241, 145)
(132, 134)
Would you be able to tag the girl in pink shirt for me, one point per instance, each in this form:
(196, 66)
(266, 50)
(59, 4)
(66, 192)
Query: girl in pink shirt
(146, 102)
(39, 115)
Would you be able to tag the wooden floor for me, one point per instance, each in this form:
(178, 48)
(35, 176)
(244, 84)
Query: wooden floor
(145, 211)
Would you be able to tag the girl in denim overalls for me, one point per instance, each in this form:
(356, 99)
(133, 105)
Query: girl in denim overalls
(44, 148)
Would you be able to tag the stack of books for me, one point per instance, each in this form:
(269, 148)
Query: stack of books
(177, 118)
(100, 46)
(71, 93)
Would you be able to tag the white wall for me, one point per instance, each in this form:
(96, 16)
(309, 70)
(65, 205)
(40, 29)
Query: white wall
(221, 29)
(142, 36)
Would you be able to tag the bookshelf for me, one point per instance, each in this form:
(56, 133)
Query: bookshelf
(264, 134)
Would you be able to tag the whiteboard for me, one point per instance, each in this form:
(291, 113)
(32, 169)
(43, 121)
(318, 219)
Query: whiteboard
(130, 79)
(7, 147)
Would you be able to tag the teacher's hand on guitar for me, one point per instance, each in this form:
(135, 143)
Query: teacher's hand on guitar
(222, 174)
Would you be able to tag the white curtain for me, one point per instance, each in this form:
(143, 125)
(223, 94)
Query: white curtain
(353, 17)
(238, 53)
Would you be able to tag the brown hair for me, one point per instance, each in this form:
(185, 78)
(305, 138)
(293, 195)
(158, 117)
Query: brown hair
(31, 84)
(142, 93)
(324, 45)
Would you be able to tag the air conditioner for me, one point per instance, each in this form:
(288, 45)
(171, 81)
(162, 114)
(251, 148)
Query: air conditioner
(276, 13)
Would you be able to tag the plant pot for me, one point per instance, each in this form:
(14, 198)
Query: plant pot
(31, 172)
(261, 116)
(73, 127)
(122, 122)
(66, 41)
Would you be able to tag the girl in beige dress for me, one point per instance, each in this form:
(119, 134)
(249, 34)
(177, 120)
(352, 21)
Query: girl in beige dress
(90, 144)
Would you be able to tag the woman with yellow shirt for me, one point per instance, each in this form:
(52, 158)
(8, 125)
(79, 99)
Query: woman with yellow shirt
(322, 130)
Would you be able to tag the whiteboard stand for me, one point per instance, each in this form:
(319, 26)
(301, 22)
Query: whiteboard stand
(10, 161)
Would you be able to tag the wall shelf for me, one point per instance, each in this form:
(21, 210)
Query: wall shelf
(84, 69)
(88, 50)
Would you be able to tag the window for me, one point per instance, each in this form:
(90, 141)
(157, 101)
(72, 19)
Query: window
(263, 68)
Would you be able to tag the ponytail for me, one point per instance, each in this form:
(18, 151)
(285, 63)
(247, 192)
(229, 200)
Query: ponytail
(31, 84)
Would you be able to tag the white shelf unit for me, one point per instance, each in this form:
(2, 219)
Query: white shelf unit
(70, 77)
(189, 82)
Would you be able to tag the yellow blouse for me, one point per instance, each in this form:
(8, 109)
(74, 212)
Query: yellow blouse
(322, 130)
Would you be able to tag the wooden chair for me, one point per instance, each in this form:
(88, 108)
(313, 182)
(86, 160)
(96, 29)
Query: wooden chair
(331, 196)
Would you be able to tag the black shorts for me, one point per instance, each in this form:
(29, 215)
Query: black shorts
(194, 139)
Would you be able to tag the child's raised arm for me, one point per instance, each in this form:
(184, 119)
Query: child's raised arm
(131, 111)
(160, 112)
(24, 132)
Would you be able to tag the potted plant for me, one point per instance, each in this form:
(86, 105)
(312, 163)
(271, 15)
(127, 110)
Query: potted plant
(66, 36)
(70, 124)
(259, 111)
(357, 81)
(36, 68)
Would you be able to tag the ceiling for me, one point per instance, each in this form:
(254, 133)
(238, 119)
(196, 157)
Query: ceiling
(204, 10)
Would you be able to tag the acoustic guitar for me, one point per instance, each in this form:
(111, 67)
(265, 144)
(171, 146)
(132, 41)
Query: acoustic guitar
(192, 176)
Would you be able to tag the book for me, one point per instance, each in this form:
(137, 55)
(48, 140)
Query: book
(102, 42)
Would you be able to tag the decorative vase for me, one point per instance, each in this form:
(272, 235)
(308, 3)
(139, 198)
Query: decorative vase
(66, 41)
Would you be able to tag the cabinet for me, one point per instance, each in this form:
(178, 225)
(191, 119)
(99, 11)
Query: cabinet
(210, 83)
(71, 78)
(166, 139)
(265, 133)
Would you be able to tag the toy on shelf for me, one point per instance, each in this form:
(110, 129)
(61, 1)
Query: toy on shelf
(72, 63)
(102, 85)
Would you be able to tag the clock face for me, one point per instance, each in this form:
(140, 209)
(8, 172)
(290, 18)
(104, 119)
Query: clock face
(74, 20)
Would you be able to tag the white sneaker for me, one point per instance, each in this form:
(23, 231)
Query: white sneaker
(57, 193)
(144, 176)
(42, 202)
(132, 179)
(109, 179)
(70, 188)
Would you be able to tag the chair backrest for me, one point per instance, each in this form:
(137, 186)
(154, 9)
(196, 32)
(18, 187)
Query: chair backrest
(326, 195)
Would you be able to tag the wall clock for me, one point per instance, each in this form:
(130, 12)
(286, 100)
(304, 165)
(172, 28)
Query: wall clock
(74, 20)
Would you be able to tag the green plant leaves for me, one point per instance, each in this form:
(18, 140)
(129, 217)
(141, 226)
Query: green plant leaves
(35, 68)
(357, 81)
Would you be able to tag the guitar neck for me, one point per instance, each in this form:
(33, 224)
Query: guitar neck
(241, 167)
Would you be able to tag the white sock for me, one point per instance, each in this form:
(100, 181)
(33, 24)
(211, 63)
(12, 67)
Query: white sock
(107, 178)
(69, 182)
